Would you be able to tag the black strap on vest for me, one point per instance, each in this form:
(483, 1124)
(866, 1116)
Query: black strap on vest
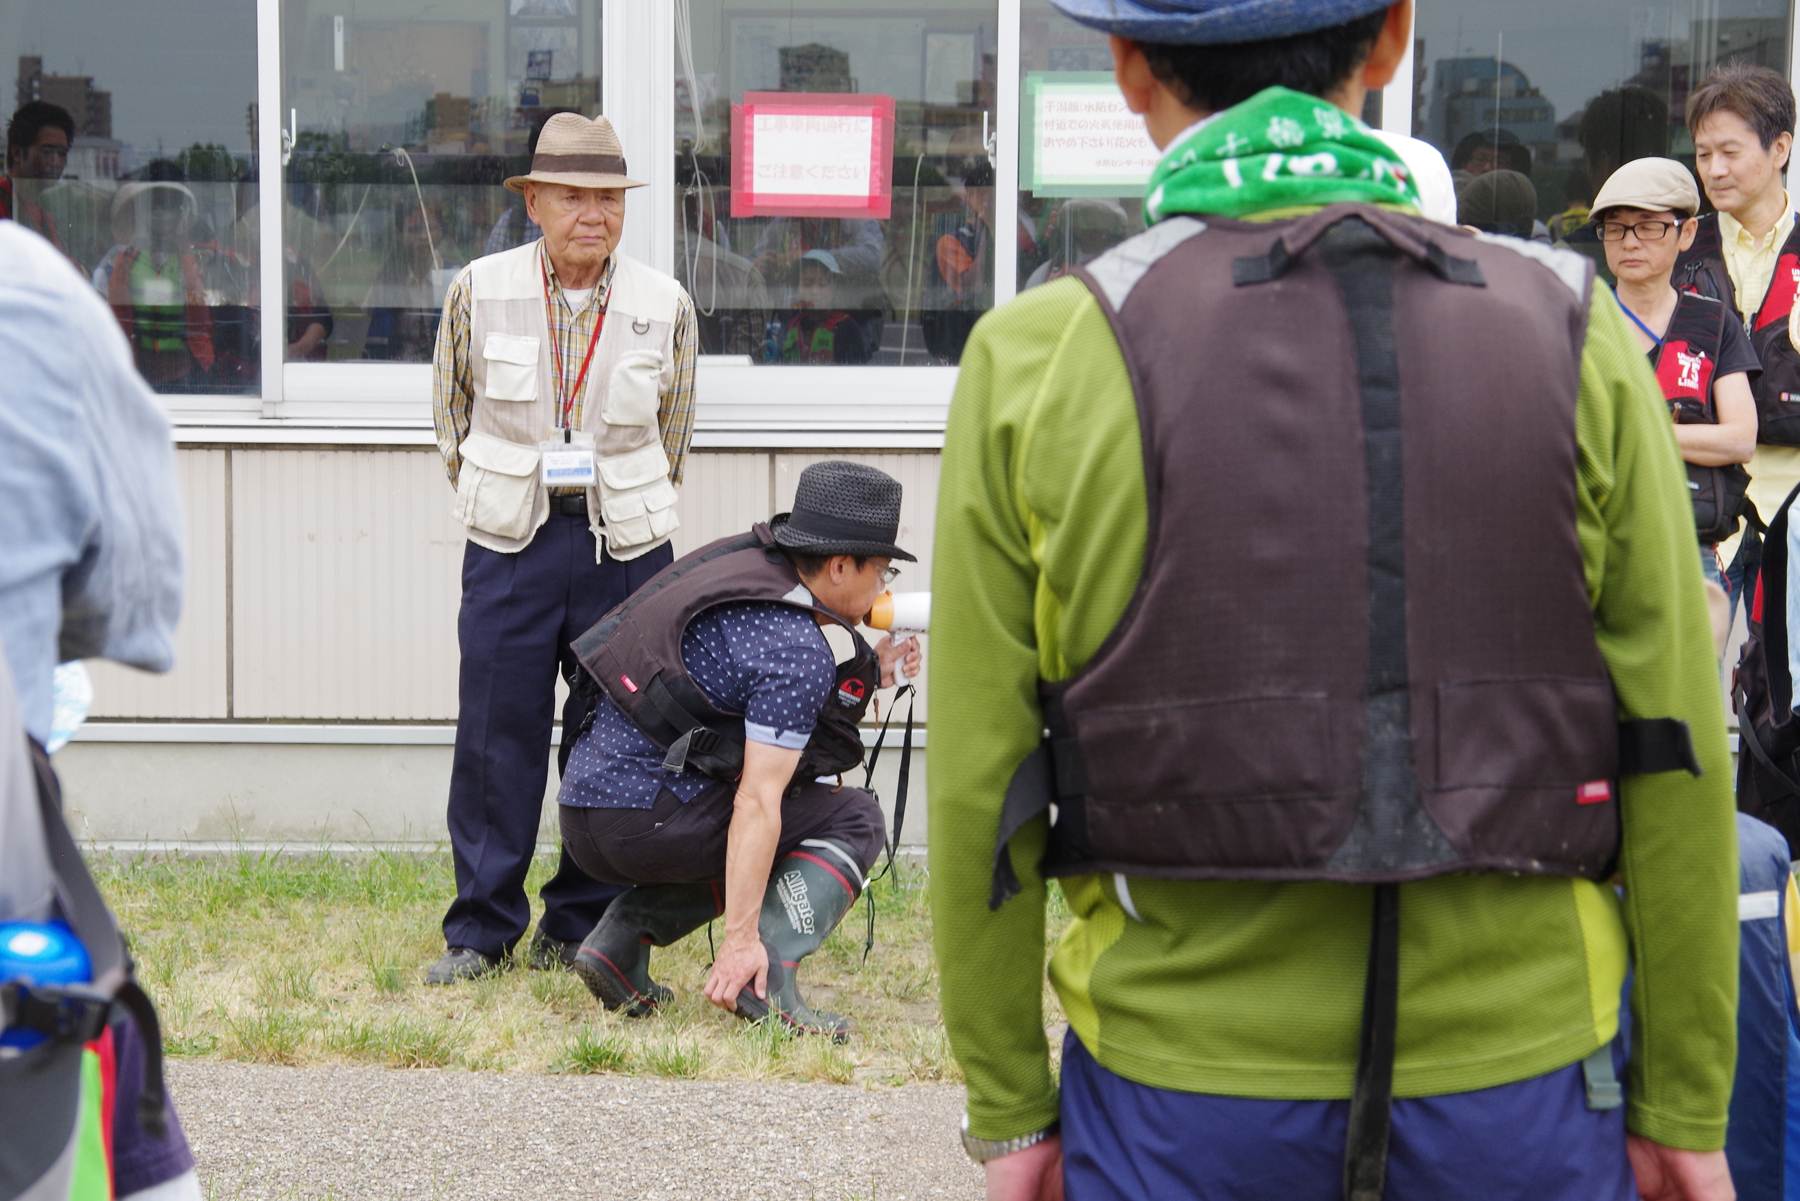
(1656, 744)
(70, 1010)
(1372, 1099)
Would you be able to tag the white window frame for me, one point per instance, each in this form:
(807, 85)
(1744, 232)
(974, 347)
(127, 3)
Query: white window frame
(740, 404)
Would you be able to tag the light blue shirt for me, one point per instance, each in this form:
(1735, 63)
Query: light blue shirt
(90, 517)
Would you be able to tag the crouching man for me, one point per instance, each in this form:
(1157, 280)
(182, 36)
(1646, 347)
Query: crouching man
(706, 778)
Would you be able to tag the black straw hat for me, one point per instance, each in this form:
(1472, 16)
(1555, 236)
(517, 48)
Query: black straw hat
(843, 509)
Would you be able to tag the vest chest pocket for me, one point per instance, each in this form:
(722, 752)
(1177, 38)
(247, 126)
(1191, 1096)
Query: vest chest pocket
(497, 486)
(636, 497)
(634, 389)
(511, 362)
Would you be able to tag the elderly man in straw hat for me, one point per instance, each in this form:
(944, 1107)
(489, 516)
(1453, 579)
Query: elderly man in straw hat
(563, 400)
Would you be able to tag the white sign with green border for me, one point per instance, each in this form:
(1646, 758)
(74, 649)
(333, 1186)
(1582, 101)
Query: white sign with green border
(1080, 139)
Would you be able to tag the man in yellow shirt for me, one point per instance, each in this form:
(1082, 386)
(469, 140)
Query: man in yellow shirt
(1742, 119)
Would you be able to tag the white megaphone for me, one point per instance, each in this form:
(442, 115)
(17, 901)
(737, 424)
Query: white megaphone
(903, 615)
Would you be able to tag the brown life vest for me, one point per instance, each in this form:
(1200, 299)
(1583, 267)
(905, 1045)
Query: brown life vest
(634, 655)
(1410, 686)
(1701, 268)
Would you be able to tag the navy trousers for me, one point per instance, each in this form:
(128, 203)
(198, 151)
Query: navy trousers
(519, 614)
(1535, 1140)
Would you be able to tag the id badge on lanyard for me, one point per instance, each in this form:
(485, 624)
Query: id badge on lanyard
(568, 461)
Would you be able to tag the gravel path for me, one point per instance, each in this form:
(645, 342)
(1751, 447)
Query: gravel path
(369, 1134)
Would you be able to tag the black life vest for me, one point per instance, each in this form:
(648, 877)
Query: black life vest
(1701, 268)
(1686, 365)
(1768, 783)
(634, 655)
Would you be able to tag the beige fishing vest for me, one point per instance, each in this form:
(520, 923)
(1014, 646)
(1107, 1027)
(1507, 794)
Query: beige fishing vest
(500, 495)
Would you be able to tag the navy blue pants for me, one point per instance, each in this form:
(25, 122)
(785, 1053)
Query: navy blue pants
(1535, 1140)
(519, 614)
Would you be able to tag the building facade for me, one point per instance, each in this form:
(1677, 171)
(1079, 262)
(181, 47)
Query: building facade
(844, 187)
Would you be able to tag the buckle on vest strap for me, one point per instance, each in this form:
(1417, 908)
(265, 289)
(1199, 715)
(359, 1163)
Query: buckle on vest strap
(698, 740)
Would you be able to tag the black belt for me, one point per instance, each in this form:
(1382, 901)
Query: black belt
(569, 506)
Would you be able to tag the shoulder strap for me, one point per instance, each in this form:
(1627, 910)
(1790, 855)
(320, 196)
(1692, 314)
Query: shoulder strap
(93, 924)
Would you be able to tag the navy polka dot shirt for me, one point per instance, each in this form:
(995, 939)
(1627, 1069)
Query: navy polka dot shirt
(767, 661)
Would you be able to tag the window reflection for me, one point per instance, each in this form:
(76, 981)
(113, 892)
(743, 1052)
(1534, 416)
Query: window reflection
(1069, 222)
(407, 123)
(1533, 116)
(131, 148)
(901, 284)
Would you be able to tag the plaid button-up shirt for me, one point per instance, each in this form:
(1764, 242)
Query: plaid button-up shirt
(453, 379)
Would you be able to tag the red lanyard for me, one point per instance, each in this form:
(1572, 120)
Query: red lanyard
(567, 405)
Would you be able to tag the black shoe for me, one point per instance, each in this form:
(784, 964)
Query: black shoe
(463, 963)
(550, 954)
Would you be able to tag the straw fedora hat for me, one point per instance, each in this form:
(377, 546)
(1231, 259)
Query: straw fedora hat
(577, 153)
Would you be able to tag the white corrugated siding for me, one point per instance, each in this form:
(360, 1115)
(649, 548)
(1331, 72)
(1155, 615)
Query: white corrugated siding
(196, 688)
(344, 568)
(347, 567)
(722, 495)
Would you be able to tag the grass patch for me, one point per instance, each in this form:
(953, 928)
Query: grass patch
(299, 959)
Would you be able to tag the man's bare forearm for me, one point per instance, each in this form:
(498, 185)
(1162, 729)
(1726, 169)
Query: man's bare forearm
(749, 855)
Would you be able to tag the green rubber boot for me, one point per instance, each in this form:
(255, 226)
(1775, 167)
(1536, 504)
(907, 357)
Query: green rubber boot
(811, 891)
(614, 960)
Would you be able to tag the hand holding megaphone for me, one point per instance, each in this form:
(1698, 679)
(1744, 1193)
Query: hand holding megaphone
(903, 615)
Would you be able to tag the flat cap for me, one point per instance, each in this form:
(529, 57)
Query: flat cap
(1655, 185)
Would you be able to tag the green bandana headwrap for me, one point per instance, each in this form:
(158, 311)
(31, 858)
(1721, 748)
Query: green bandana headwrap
(1278, 149)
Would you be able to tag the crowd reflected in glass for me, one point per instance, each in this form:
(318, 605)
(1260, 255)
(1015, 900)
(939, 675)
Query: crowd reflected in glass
(130, 146)
(888, 258)
(1534, 115)
(403, 124)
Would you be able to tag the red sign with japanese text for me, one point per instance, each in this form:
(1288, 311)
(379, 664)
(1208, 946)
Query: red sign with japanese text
(812, 154)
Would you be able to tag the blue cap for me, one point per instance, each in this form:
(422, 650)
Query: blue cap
(1214, 22)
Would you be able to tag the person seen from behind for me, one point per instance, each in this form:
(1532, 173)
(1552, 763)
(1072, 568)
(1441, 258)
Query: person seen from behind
(1644, 218)
(1336, 756)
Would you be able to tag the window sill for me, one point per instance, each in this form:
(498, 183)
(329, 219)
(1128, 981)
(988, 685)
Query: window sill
(741, 406)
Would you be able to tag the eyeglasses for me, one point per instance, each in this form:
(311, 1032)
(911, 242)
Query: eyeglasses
(888, 574)
(1646, 231)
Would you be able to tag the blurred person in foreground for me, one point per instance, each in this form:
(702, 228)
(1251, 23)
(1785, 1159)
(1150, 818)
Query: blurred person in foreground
(563, 398)
(90, 561)
(37, 152)
(1336, 756)
(1748, 254)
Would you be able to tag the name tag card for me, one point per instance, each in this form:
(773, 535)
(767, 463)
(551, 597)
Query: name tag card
(568, 464)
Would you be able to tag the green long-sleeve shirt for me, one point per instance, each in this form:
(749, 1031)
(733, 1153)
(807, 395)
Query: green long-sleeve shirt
(1255, 989)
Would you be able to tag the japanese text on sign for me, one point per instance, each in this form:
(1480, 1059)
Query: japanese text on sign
(1083, 138)
(812, 155)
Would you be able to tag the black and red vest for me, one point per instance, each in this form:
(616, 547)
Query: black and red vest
(1701, 268)
(1686, 363)
(634, 656)
(1361, 647)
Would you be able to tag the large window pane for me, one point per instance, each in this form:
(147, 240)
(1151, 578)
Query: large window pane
(835, 178)
(150, 193)
(1082, 157)
(409, 117)
(1562, 94)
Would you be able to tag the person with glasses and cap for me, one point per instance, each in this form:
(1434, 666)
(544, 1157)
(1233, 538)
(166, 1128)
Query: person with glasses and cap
(1644, 218)
(707, 775)
(1315, 599)
(563, 396)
